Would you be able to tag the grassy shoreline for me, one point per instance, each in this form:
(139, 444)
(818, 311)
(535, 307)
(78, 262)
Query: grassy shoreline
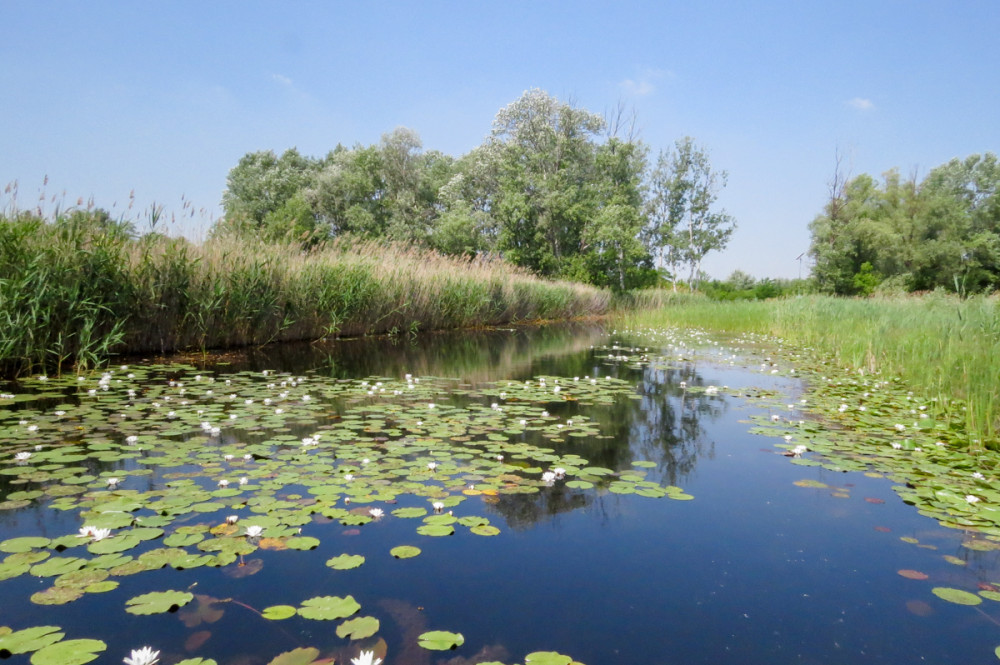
(943, 347)
(75, 292)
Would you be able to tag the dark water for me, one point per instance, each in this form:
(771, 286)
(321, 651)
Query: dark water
(755, 570)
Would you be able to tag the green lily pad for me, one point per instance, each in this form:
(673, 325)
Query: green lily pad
(956, 596)
(410, 512)
(485, 530)
(358, 628)
(300, 656)
(23, 544)
(68, 652)
(302, 543)
(197, 661)
(404, 551)
(435, 530)
(278, 612)
(329, 607)
(56, 595)
(158, 602)
(547, 658)
(441, 640)
(345, 561)
(29, 639)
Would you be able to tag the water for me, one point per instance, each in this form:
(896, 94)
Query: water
(754, 570)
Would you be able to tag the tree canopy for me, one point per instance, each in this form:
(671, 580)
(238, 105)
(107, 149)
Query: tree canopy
(553, 188)
(941, 232)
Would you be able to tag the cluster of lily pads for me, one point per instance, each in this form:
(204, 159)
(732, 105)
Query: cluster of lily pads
(169, 466)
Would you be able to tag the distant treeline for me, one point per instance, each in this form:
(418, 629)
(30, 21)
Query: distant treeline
(905, 235)
(555, 189)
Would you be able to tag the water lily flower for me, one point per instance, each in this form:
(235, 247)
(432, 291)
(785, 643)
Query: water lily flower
(432, 465)
(366, 658)
(499, 458)
(899, 427)
(22, 457)
(548, 476)
(896, 445)
(32, 428)
(971, 498)
(438, 506)
(798, 450)
(143, 656)
(112, 481)
(86, 532)
(254, 531)
(978, 476)
(377, 513)
(100, 534)
(559, 471)
(227, 457)
(244, 480)
(366, 461)
(248, 457)
(775, 417)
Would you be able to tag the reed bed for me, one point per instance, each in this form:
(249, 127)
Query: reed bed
(75, 292)
(942, 346)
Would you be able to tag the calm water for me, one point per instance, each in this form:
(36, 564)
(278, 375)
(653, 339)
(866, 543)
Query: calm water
(754, 570)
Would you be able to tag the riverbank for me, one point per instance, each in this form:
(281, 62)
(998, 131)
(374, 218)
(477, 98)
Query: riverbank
(944, 348)
(77, 291)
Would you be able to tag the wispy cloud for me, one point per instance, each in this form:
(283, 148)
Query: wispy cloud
(283, 80)
(861, 104)
(644, 84)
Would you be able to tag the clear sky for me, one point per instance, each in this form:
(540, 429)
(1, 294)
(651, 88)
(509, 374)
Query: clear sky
(164, 98)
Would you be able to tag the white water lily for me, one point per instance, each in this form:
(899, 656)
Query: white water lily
(348, 476)
(112, 481)
(22, 457)
(899, 427)
(438, 506)
(548, 477)
(223, 483)
(971, 498)
(896, 445)
(232, 519)
(132, 438)
(100, 534)
(978, 476)
(244, 480)
(86, 532)
(432, 465)
(798, 450)
(366, 658)
(377, 513)
(559, 471)
(254, 531)
(143, 656)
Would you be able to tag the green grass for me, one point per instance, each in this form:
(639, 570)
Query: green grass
(79, 289)
(941, 346)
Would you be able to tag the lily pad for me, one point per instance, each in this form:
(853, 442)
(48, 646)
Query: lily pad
(404, 551)
(329, 607)
(69, 652)
(278, 612)
(547, 658)
(358, 628)
(300, 656)
(435, 530)
(441, 640)
(956, 596)
(158, 602)
(29, 639)
(345, 561)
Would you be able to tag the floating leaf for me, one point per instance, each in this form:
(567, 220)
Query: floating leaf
(345, 561)
(912, 574)
(329, 607)
(485, 530)
(358, 628)
(158, 602)
(404, 551)
(23, 544)
(435, 530)
(300, 656)
(29, 639)
(302, 543)
(56, 595)
(547, 658)
(278, 612)
(441, 640)
(956, 596)
(69, 652)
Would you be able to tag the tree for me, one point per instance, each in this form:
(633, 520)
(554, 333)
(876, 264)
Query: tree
(683, 226)
(261, 183)
(541, 157)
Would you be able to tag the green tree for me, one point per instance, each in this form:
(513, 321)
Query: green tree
(260, 184)
(683, 224)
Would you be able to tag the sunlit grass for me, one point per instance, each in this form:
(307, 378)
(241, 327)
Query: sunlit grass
(943, 347)
(80, 289)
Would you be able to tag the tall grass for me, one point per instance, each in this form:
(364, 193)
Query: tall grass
(942, 346)
(75, 290)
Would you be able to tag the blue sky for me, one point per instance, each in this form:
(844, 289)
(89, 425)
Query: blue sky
(164, 98)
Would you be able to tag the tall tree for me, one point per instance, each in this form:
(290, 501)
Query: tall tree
(683, 224)
(261, 184)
